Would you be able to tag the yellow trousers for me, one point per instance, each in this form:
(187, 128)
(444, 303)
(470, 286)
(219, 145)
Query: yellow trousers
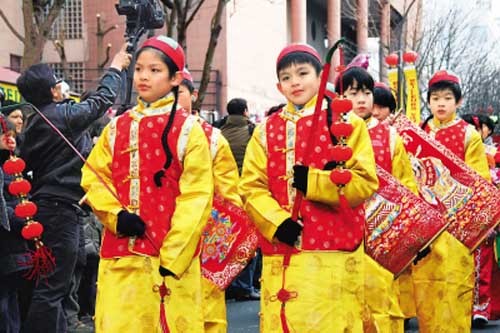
(381, 300)
(126, 301)
(329, 290)
(214, 307)
(444, 282)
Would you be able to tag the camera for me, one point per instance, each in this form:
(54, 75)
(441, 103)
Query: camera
(145, 14)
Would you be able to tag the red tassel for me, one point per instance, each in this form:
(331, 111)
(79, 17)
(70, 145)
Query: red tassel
(41, 262)
(344, 206)
(164, 291)
(284, 325)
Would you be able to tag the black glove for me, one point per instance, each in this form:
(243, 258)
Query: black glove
(165, 272)
(130, 224)
(422, 254)
(288, 231)
(300, 177)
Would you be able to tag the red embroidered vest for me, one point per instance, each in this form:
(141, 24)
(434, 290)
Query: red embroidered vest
(286, 145)
(452, 137)
(381, 143)
(137, 155)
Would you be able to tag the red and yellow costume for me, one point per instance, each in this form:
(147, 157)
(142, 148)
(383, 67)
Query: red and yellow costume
(444, 280)
(383, 295)
(127, 155)
(225, 175)
(325, 278)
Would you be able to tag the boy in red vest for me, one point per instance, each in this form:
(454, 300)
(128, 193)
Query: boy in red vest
(444, 280)
(381, 292)
(318, 284)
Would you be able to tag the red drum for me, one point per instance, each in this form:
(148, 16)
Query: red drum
(398, 224)
(228, 242)
(467, 200)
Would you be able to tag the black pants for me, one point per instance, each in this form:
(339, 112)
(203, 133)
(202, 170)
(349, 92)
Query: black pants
(61, 234)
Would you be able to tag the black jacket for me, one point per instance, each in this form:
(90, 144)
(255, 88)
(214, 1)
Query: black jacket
(56, 168)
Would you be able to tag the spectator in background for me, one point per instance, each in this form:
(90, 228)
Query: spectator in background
(237, 130)
(14, 114)
(13, 247)
(56, 178)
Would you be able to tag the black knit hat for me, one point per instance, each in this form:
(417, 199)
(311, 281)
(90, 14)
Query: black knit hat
(35, 83)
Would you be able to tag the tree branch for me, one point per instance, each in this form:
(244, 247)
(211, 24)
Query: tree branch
(11, 27)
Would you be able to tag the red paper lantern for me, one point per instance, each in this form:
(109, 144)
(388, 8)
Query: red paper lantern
(14, 165)
(32, 230)
(341, 105)
(19, 187)
(340, 129)
(340, 176)
(392, 59)
(25, 209)
(341, 153)
(410, 56)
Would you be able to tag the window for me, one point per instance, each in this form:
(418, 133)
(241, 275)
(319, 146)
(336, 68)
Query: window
(69, 21)
(15, 62)
(75, 75)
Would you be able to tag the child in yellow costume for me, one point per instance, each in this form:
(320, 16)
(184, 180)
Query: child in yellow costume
(381, 290)
(155, 158)
(384, 105)
(444, 280)
(225, 175)
(321, 289)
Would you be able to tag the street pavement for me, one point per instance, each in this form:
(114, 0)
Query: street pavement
(243, 317)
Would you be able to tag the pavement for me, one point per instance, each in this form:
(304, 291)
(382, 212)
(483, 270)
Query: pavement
(243, 317)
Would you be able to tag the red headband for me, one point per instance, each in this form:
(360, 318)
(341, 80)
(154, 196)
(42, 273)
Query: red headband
(298, 48)
(169, 47)
(382, 85)
(186, 75)
(443, 75)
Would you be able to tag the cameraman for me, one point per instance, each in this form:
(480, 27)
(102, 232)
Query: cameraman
(56, 178)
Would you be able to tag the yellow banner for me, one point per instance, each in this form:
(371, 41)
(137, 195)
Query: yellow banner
(11, 92)
(412, 94)
(392, 77)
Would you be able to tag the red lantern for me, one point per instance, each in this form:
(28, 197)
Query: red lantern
(410, 56)
(341, 153)
(341, 105)
(20, 187)
(392, 59)
(14, 165)
(340, 176)
(25, 209)
(340, 129)
(32, 230)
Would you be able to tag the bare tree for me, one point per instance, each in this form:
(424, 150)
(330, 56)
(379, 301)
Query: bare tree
(180, 14)
(448, 42)
(38, 16)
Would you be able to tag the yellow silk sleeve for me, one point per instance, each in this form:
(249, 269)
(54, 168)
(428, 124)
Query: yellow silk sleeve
(364, 180)
(475, 155)
(104, 204)
(401, 165)
(225, 171)
(258, 202)
(192, 207)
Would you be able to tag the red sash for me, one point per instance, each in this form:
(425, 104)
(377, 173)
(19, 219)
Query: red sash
(465, 198)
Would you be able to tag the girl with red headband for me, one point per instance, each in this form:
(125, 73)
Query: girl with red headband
(154, 162)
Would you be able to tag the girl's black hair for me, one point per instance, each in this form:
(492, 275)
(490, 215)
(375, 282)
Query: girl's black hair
(358, 74)
(444, 85)
(172, 69)
(384, 97)
(296, 58)
(188, 85)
